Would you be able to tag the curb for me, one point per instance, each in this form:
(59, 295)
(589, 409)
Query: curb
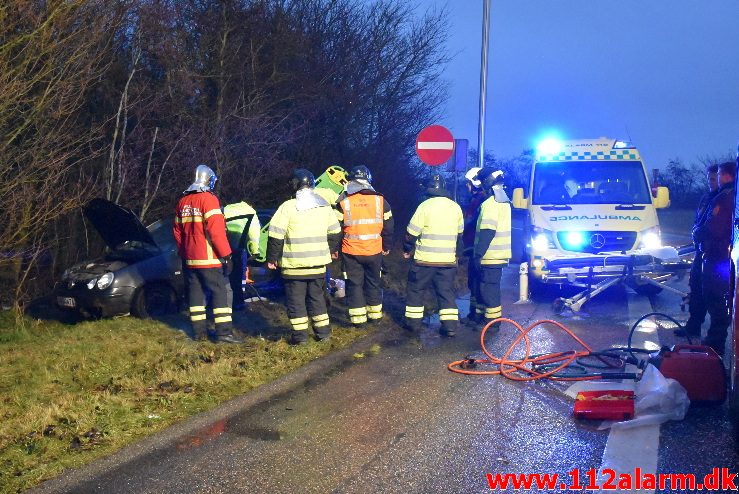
(74, 480)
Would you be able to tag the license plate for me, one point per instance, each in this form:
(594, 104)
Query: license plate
(66, 302)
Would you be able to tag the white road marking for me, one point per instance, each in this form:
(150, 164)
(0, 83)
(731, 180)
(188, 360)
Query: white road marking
(638, 447)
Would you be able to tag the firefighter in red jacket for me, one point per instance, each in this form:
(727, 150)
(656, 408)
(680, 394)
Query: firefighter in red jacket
(368, 229)
(200, 232)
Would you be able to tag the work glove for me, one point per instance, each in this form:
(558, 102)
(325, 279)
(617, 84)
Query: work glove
(228, 265)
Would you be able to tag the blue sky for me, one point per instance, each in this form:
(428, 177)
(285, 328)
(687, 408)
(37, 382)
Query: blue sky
(664, 73)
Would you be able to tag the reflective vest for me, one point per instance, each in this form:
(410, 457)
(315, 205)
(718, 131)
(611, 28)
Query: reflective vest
(496, 216)
(363, 222)
(437, 222)
(199, 231)
(242, 226)
(305, 237)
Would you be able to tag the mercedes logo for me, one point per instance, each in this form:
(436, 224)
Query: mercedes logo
(597, 241)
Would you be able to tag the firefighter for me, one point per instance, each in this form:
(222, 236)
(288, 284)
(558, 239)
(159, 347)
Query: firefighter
(368, 228)
(471, 212)
(434, 238)
(304, 236)
(243, 230)
(696, 301)
(714, 237)
(200, 233)
(492, 248)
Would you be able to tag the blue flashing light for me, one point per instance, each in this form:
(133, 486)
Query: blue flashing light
(549, 146)
(623, 145)
(574, 240)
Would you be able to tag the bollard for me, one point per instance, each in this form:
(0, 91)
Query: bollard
(523, 284)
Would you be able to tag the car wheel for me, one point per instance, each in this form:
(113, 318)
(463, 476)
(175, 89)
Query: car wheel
(154, 300)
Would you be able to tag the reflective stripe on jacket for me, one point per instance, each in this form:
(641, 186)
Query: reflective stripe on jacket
(237, 216)
(437, 222)
(305, 236)
(496, 216)
(200, 231)
(363, 222)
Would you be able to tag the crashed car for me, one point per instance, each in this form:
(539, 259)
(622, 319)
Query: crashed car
(141, 271)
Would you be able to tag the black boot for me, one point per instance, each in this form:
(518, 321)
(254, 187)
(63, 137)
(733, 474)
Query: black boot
(322, 334)
(298, 337)
(228, 338)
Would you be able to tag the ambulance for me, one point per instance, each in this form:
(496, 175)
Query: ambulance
(590, 212)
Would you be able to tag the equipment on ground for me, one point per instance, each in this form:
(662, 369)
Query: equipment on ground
(697, 368)
(604, 405)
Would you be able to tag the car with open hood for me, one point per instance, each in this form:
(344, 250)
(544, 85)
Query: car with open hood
(140, 272)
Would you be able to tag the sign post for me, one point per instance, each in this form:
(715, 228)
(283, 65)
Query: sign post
(434, 145)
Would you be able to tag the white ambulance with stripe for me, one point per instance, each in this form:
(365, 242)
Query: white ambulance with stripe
(590, 207)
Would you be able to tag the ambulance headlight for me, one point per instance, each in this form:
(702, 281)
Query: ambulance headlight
(542, 239)
(650, 239)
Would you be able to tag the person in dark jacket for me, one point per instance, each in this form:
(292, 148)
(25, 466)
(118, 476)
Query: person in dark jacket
(696, 300)
(714, 237)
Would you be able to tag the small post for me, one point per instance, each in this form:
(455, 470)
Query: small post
(523, 284)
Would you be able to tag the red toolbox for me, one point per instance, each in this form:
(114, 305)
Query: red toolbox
(604, 405)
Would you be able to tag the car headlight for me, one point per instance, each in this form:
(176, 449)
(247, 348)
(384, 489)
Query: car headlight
(650, 239)
(542, 239)
(105, 281)
(91, 283)
(66, 273)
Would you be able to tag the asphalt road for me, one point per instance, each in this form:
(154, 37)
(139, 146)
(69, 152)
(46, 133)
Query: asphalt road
(399, 422)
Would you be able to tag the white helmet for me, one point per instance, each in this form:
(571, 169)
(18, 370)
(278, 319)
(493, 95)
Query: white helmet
(205, 180)
(471, 175)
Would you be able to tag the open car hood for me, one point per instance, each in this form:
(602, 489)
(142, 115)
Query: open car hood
(116, 224)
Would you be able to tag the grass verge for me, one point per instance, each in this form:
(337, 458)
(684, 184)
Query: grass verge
(73, 393)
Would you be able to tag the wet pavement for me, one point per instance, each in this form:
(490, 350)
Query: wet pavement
(399, 421)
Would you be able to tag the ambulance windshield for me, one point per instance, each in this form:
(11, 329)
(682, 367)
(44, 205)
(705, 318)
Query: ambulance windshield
(592, 182)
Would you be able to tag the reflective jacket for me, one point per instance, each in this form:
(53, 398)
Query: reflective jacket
(242, 227)
(493, 234)
(437, 224)
(368, 223)
(301, 241)
(200, 231)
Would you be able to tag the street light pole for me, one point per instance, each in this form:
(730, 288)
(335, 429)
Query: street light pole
(483, 80)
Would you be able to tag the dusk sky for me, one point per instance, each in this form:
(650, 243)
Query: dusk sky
(664, 73)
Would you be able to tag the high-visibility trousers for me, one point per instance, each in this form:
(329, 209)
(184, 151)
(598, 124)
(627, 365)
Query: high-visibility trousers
(199, 284)
(442, 280)
(489, 283)
(306, 297)
(363, 287)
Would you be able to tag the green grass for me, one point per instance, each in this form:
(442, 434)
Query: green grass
(72, 393)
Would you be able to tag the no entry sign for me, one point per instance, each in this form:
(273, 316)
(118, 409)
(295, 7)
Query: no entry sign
(434, 145)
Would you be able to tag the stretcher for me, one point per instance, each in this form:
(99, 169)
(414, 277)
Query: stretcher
(645, 271)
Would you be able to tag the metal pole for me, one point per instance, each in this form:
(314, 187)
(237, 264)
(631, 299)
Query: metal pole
(483, 79)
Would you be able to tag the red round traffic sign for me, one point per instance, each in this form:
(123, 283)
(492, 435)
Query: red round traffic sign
(435, 145)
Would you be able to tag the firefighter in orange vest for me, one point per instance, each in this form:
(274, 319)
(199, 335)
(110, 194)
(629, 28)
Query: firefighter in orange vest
(200, 233)
(368, 229)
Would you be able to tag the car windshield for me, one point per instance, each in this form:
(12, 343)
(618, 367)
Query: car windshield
(593, 182)
(161, 232)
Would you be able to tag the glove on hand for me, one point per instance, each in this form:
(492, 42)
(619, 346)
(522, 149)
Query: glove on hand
(228, 265)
